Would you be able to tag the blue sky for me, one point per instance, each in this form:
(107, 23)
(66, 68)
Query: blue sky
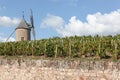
(61, 17)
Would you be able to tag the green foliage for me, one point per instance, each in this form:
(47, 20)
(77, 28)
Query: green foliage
(50, 49)
(72, 47)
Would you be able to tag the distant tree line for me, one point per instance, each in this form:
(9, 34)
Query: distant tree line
(71, 47)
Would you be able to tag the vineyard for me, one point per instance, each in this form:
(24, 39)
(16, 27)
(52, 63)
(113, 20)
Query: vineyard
(69, 47)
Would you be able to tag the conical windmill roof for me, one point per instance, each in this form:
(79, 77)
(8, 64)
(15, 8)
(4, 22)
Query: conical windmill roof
(23, 24)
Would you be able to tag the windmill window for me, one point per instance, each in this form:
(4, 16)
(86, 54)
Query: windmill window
(22, 38)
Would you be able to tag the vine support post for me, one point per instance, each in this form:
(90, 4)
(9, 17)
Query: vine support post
(83, 48)
(99, 50)
(56, 49)
(5, 49)
(116, 51)
(69, 48)
(32, 49)
(62, 47)
(45, 48)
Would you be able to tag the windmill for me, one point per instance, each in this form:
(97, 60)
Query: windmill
(24, 29)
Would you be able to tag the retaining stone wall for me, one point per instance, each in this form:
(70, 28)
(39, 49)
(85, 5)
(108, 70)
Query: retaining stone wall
(26, 69)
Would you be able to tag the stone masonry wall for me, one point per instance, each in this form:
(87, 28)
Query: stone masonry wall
(27, 69)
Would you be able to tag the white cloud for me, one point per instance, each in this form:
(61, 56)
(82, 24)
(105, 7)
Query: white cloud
(98, 23)
(8, 22)
(52, 21)
(11, 39)
(3, 39)
(74, 27)
(104, 23)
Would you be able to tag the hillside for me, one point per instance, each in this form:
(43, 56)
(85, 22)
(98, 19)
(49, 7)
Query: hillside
(105, 47)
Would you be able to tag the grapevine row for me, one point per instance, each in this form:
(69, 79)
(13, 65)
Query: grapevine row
(72, 47)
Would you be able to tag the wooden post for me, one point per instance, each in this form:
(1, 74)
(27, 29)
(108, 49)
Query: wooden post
(69, 48)
(45, 48)
(32, 49)
(116, 54)
(82, 49)
(62, 47)
(56, 47)
(5, 49)
(99, 48)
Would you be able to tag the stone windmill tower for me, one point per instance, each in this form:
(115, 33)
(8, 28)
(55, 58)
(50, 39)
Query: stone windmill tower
(24, 29)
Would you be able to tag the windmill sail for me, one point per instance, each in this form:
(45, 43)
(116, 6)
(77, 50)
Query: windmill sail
(31, 19)
(33, 32)
(10, 36)
(32, 25)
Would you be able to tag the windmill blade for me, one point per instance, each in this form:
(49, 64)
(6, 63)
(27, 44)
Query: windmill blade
(10, 36)
(32, 24)
(31, 19)
(33, 32)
